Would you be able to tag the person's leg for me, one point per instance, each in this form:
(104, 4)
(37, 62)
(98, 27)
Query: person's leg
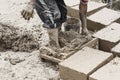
(49, 12)
(83, 16)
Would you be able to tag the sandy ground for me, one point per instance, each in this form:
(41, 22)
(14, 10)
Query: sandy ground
(25, 66)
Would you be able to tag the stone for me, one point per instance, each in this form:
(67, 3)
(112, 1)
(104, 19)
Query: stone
(84, 62)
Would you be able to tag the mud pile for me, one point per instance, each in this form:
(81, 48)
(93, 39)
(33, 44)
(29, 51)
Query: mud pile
(70, 41)
(10, 38)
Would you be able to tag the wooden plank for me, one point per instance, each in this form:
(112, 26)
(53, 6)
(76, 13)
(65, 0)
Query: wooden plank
(50, 58)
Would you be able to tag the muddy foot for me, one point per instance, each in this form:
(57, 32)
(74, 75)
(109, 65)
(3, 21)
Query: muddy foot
(89, 37)
(85, 31)
(87, 34)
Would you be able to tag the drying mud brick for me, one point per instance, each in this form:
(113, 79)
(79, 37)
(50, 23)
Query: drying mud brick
(116, 50)
(111, 71)
(108, 37)
(93, 7)
(102, 18)
(72, 3)
(84, 62)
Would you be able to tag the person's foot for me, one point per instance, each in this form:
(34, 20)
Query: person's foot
(86, 33)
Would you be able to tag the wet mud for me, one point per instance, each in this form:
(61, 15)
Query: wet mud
(11, 39)
(70, 40)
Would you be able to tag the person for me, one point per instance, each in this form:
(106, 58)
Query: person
(83, 17)
(53, 13)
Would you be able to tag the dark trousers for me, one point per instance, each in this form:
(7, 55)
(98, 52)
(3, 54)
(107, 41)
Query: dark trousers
(52, 12)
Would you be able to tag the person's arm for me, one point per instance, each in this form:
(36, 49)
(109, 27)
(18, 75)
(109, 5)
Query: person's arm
(28, 11)
(83, 16)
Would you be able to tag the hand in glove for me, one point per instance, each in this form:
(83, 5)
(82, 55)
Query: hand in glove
(28, 12)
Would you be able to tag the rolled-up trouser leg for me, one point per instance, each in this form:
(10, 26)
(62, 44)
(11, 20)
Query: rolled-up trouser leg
(53, 37)
(48, 11)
